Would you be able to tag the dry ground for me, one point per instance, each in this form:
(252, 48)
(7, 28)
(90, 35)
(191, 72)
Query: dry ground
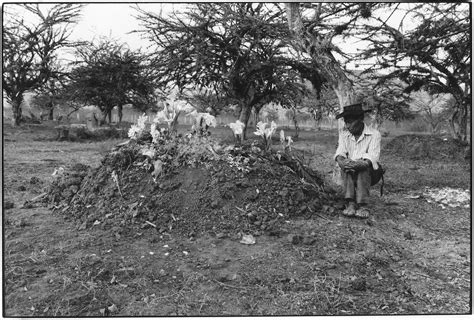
(411, 257)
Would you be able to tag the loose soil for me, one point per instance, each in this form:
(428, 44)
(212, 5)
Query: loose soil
(172, 246)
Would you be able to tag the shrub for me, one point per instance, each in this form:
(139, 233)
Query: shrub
(417, 126)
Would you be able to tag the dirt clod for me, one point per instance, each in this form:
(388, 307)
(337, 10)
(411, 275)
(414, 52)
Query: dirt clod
(8, 204)
(359, 284)
(35, 180)
(294, 238)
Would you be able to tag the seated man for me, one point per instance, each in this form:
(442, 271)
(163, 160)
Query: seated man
(357, 155)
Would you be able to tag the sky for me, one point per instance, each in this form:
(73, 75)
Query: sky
(114, 20)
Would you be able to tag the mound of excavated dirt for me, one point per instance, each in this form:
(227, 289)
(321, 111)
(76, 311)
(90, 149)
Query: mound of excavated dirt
(198, 187)
(425, 147)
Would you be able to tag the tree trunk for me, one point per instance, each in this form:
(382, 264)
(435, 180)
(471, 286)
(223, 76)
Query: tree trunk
(244, 118)
(104, 118)
(109, 115)
(458, 123)
(51, 109)
(344, 92)
(120, 113)
(297, 130)
(463, 123)
(317, 47)
(256, 115)
(295, 122)
(16, 109)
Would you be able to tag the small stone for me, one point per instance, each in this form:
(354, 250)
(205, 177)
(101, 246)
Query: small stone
(21, 188)
(8, 204)
(34, 180)
(408, 236)
(113, 308)
(214, 204)
(83, 226)
(232, 276)
(359, 284)
(274, 233)
(220, 235)
(308, 240)
(294, 239)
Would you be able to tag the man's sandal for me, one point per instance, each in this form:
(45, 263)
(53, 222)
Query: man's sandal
(349, 212)
(362, 213)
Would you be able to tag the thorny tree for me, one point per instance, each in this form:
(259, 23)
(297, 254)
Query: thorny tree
(435, 54)
(387, 99)
(234, 49)
(107, 75)
(30, 50)
(433, 108)
(47, 97)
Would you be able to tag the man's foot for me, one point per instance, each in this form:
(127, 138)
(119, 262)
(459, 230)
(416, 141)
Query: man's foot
(362, 213)
(350, 210)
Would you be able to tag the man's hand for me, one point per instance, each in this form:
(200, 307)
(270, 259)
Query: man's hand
(342, 162)
(356, 165)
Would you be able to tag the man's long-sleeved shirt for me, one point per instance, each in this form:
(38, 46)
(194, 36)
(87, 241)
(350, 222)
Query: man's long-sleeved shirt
(366, 147)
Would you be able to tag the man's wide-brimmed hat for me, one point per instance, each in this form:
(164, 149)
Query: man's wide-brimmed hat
(352, 110)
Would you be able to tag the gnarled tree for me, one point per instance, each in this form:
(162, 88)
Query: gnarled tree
(107, 75)
(430, 49)
(313, 28)
(30, 48)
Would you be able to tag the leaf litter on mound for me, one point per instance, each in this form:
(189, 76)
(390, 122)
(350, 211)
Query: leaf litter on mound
(200, 187)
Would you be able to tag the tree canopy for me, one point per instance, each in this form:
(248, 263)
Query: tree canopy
(434, 54)
(107, 74)
(235, 49)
